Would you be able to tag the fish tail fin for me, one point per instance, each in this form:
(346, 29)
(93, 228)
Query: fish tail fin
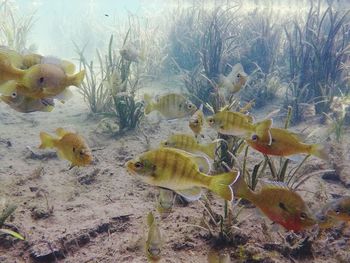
(150, 219)
(149, 105)
(263, 130)
(209, 149)
(47, 141)
(77, 79)
(241, 189)
(319, 151)
(221, 184)
(68, 66)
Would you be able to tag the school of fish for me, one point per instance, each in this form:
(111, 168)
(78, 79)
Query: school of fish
(182, 164)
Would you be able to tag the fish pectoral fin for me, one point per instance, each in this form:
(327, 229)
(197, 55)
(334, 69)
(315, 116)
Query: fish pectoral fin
(61, 155)
(202, 161)
(71, 166)
(65, 95)
(191, 194)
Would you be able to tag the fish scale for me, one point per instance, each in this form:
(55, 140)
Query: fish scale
(178, 171)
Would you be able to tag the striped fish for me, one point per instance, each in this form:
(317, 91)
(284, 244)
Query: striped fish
(175, 170)
(238, 124)
(189, 144)
(171, 106)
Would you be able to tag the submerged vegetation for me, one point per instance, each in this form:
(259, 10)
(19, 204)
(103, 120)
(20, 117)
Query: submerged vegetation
(295, 63)
(111, 92)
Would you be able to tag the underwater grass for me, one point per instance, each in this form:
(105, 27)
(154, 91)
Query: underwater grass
(5, 214)
(92, 88)
(15, 30)
(110, 92)
(315, 51)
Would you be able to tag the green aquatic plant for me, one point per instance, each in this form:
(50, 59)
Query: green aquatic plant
(184, 38)
(6, 213)
(93, 87)
(263, 39)
(14, 29)
(315, 52)
(221, 228)
(111, 91)
(262, 87)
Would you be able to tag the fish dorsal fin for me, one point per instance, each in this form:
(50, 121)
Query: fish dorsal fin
(273, 184)
(61, 132)
(191, 194)
(250, 118)
(201, 160)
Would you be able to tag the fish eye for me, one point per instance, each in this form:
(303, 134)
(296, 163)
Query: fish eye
(303, 216)
(337, 211)
(81, 153)
(41, 80)
(254, 137)
(138, 165)
(166, 143)
(14, 95)
(211, 120)
(196, 122)
(238, 75)
(73, 149)
(190, 106)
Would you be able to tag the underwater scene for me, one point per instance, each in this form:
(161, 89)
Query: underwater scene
(181, 131)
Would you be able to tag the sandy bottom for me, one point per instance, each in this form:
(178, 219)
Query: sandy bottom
(98, 213)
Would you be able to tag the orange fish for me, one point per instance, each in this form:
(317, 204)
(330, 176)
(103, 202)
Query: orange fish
(40, 81)
(25, 104)
(70, 146)
(285, 143)
(334, 212)
(278, 203)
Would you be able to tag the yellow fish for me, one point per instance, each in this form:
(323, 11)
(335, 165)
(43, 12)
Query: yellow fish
(25, 104)
(40, 81)
(196, 122)
(189, 144)
(285, 143)
(30, 60)
(237, 124)
(171, 106)
(70, 146)
(154, 240)
(278, 203)
(165, 202)
(335, 211)
(172, 169)
(10, 57)
(235, 80)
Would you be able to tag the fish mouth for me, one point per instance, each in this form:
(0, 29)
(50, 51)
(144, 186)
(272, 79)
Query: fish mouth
(48, 102)
(130, 167)
(154, 251)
